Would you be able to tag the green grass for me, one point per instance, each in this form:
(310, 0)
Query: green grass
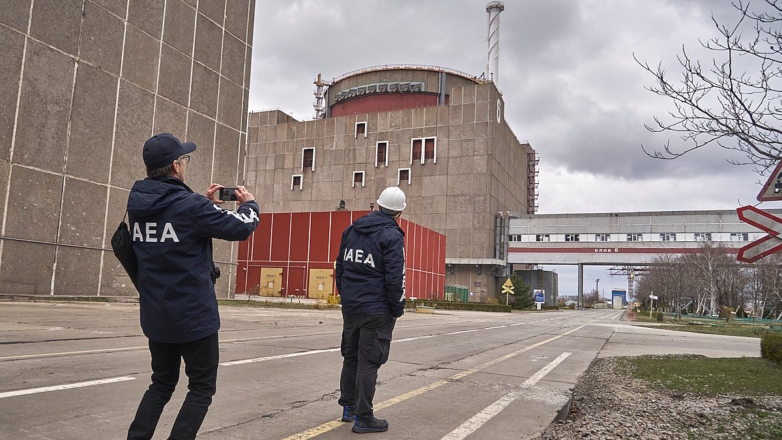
(726, 330)
(698, 374)
(759, 424)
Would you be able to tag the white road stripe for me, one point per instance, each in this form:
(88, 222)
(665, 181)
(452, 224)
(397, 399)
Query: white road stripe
(492, 328)
(65, 387)
(478, 420)
(617, 315)
(273, 358)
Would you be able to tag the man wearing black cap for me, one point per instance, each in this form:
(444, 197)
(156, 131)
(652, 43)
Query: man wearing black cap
(172, 229)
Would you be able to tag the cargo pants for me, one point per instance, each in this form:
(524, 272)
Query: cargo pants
(366, 341)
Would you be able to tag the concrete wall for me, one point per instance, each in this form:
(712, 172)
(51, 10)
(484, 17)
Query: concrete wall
(85, 83)
(481, 168)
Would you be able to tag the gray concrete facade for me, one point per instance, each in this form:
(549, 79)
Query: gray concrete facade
(479, 169)
(85, 83)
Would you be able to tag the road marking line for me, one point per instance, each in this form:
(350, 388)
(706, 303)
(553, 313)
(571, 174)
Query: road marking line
(273, 358)
(68, 353)
(478, 420)
(333, 424)
(618, 315)
(65, 387)
(492, 328)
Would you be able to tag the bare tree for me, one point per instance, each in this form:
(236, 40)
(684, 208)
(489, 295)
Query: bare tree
(723, 104)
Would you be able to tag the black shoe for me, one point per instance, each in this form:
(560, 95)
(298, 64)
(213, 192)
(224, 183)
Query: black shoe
(373, 425)
(348, 414)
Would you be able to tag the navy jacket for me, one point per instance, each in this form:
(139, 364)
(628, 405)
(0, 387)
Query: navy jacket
(370, 269)
(172, 229)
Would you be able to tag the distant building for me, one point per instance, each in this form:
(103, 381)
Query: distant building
(440, 134)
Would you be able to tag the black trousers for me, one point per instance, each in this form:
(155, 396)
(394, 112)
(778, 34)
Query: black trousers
(201, 358)
(366, 341)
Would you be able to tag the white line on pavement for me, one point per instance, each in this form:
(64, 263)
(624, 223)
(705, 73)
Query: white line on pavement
(617, 315)
(65, 387)
(281, 356)
(478, 420)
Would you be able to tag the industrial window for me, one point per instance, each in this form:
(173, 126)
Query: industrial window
(514, 237)
(358, 178)
(403, 174)
(572, 237)
(703, 236)
(308, 158)
(739, 236)
(381, 154)
(635, 237)
(415, 150)
(361, 128)
(423, 149)
(602, 237)
(296, 181)
(542, 237)
(430, 149)
(668, 236)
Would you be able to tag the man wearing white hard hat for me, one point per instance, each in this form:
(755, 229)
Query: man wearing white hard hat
(370, 277)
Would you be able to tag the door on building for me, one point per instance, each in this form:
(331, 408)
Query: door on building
(271, 281)
(321, 283)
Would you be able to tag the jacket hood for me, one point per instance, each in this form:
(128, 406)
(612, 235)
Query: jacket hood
(375, 222)
(152, 195)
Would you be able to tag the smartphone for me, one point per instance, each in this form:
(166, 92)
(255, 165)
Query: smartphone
(227, 194)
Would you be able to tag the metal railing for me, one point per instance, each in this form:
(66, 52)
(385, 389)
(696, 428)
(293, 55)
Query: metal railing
(410, 66)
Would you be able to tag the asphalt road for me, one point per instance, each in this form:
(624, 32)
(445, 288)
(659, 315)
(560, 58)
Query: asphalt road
(78, 371)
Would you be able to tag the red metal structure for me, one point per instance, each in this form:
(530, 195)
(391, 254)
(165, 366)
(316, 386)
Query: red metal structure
(297, 243)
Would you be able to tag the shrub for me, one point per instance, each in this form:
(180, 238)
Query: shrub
(453, 305)
(771, 347)
(660, 316)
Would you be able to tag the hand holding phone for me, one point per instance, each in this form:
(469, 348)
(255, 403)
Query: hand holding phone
(228, 194)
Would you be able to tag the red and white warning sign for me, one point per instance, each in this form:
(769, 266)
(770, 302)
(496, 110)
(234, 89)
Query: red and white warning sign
(767, 245)
(772, 190)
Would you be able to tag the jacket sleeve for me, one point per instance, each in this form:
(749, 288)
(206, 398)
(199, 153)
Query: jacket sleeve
(215, 222)
(339, 269)
(394, 263)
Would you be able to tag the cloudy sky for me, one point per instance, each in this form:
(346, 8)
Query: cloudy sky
(570, 83)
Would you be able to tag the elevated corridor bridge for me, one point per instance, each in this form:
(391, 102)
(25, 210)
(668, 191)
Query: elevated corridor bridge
(623, 238)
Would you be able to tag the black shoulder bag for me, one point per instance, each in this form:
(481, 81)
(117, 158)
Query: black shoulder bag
(122, 244)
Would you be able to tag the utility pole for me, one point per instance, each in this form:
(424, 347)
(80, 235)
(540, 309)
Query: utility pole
(597, 291)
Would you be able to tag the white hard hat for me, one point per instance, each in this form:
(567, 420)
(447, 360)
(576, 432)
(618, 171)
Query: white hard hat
(392, 198)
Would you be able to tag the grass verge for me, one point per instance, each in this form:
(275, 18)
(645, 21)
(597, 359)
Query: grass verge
(708, 376)
(272, 304)
(702, 376)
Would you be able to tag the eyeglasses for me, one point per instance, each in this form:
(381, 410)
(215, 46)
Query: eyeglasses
(184, 158)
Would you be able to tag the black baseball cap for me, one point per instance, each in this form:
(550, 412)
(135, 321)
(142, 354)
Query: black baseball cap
(163, 148)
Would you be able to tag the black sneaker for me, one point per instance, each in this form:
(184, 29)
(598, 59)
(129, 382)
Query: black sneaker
(373, 425)
(348, 414)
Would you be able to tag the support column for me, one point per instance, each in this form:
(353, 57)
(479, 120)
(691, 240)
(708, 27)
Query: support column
(580, 286)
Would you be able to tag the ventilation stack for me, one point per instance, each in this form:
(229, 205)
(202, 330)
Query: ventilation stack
(492, 68)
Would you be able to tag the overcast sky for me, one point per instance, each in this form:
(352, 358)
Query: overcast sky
(566, 70)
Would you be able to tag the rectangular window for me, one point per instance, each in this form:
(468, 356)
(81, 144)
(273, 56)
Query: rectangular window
(296, 181)
(602, 237)
(358, 178)
(308, 158)
(543, 237)
(572, 237)
(703, 236)
(514, 237)
(635, 237)
(403, 174)
(739, 236)
(415, 150)
(381, 154)
(430, 150)
(361, 128)
(668, 236)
